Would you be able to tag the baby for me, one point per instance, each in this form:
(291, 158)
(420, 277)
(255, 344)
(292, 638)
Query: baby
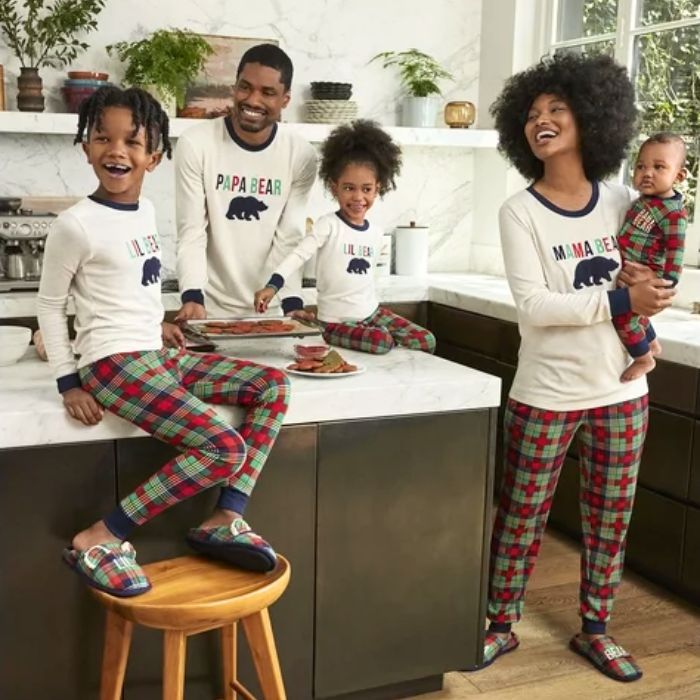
(652, 234)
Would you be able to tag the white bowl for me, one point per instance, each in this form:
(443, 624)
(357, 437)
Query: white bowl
(14, 341)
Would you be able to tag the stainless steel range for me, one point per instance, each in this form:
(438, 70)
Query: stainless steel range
(22, 236)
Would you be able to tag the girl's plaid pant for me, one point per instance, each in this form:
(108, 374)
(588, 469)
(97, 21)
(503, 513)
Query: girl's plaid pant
(164, 393)
(611, 441)
(379, 333)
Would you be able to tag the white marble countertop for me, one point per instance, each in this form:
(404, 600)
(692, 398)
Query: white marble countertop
(400, 383)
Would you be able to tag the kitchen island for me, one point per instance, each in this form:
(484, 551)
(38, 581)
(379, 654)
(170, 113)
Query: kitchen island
(378, 491)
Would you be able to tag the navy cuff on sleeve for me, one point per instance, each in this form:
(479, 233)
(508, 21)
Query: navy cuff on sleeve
(619, 301)
(292, 304)
(194, 295)
(68, 381)
(276, 282)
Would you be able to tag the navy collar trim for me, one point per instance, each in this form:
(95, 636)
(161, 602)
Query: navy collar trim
(595, 193)
(247, 146)
(115, 205)
(676, 195)
(357, 227)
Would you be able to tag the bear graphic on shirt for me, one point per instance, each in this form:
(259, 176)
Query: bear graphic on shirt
(593, 271)
(246, 208)
(358, 266)
(151, 272)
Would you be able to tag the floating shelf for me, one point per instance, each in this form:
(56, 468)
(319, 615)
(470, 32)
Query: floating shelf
(52, 123)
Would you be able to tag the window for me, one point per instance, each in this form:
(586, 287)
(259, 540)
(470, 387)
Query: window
(657, 40)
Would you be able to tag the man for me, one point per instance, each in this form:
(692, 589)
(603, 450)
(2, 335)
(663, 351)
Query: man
(242, 182)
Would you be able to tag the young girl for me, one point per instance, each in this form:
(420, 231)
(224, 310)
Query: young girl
(105, 251)
(359, 162)
(565, 124)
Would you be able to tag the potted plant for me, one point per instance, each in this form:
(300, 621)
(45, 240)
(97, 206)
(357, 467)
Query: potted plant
(166, 61)
(419, 77)
(42, 33)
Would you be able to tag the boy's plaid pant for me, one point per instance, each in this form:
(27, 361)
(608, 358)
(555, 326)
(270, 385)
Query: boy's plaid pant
(379, 333)
(164, 393)
(536, 440)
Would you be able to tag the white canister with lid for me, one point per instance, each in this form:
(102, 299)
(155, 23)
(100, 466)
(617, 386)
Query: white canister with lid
(411, 249)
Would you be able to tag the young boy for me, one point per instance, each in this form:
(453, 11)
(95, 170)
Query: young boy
(105, 251)
(652, 234)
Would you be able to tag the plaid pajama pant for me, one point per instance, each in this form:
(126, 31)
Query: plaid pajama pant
(164, 393)
(378, 333)
(611, 441)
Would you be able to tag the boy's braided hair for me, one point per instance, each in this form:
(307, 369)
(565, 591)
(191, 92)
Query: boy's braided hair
(145, 109)
(362, 141)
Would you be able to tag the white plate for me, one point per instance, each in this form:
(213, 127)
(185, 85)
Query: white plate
(317, 375)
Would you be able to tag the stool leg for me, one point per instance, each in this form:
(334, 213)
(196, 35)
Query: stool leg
(228, 654)
(174, 646)
(114, 656)
(261, 641)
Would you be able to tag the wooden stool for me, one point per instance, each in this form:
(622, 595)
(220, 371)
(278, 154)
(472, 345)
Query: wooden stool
(192, 595)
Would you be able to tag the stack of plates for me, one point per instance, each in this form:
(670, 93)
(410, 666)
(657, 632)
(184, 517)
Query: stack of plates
(330, 111)
(331, 91)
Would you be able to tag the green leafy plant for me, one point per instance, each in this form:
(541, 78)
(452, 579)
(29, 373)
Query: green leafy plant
(169, 59)
(42, 33)
(419, 71)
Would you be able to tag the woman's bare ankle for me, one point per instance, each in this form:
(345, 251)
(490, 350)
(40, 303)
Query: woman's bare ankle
(97, 533)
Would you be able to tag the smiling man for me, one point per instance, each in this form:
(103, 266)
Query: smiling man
(242, 182)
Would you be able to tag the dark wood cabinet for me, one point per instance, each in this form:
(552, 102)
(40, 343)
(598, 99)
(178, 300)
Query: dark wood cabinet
(51, 629)
(402, 507)
(694, 489)
(691, 561)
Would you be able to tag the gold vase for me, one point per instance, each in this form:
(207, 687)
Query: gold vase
(459, 115)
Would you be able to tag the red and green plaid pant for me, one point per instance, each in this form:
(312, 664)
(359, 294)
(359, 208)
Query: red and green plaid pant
(611, 440)
(164, 393)
(379, 333)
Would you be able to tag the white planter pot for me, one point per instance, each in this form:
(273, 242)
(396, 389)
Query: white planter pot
(420, 111)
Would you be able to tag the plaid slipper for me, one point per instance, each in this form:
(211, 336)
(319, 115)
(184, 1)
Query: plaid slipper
(110, 567)
(235, 544)
(608, 657)
(495, 646)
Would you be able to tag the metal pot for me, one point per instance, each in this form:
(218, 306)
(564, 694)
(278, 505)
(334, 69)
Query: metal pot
(9, 204)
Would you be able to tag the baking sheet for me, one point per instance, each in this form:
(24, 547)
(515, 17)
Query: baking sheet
(196, 329)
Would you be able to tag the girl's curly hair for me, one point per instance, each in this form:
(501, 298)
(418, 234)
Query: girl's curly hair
(598, 92)
(362, 141)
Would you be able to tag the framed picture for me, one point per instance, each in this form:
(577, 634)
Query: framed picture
(211, 93)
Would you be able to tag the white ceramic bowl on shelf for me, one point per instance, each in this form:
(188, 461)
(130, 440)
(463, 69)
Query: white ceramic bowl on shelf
(14, 341)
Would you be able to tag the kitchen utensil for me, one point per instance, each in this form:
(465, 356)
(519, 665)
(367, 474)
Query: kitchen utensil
(317, 375)
(411, 245)
(15, 269)
(300, 328)
(10, 203)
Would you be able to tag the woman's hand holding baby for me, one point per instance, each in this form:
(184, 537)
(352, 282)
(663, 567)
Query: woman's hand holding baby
(651, 295)
(81, 406)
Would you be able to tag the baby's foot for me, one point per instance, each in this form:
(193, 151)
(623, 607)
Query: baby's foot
(641, 366)
(655, 347)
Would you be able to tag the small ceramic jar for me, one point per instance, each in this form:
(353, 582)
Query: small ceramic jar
(459, 115)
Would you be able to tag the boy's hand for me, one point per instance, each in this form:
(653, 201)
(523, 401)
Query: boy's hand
(262, 300)
(189, 310)
(303, 315)
(173, 336)
(81, 406)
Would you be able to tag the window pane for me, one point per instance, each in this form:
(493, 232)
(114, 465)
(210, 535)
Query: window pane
(606, 47)
(668, 88)
(656, 11)
(579, 18)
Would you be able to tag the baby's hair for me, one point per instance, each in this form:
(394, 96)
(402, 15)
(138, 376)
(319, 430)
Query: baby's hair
(364, 142)
(598, 92)
(668, 137)
(145, 110)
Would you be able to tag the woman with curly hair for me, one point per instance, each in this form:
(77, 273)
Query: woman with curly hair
(565, 124)
(359, 161)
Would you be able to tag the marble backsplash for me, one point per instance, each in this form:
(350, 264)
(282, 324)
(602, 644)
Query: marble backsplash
(329, 40)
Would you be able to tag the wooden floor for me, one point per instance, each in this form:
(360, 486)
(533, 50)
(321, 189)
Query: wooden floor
(660, 630)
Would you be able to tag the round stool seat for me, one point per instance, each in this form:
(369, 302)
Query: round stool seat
(194, 593)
